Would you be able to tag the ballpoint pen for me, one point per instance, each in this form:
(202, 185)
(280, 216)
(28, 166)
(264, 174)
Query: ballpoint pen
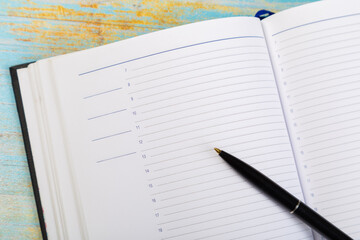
(294, 205)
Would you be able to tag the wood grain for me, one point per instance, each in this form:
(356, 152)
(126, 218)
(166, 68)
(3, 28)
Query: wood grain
(34, 29)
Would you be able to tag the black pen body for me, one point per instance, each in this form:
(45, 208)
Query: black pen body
(261, 181)
(294, 205)
(319, 224)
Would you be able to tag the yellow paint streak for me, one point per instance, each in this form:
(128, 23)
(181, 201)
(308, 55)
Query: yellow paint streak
(55, 39)
(171, 12)
(150, 13)
(89, 26)
(85, 28)
(56, 13)
(86, 5)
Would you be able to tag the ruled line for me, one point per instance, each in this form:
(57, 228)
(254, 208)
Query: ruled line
(338, 197)
(192, 123)
(329, 139)
(217, 87)
(339, 190)
(178, 165)
(335, 160)
(331, 131)
(355, 232)
(209, 220)
(224, 225)
(120, 156)
(249, 126)
(328, 87)
(325, 95)
(201, 175)
(107, 114)
(174, 158)
(174, 74)
(198, 54)
(198, 114)
(292, 233)
(189, 93)
(209, 212)
(207, 197)
(195, 184)
(198, 91)
(187, 170)
(219, 171)
(215, 203)
(181, 118)
(347, 219)
(336, 175)
(321, 45)
(258, 147)
(203, 190)
(262, 154)
(324, 103)
(331, 146)
(330, 154)
(342, 212)
(112, 135)
(334, 184)
(339, 205)
(276, 130)
(314, 22)
(322, 74)
(329, 124)
(333, 168)
(320, 60)
(319, 67)
(262, 232)
(318, 38)
(208, 127)
(101, 93)
(318, 52)
(166, 51)
(326, 110)
(318, 31)
(207, 158)
(205, 143)
(199, 61)
(218, 163)
(210, 104)
(349, 226)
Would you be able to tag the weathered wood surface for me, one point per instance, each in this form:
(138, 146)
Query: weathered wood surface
(35, 29)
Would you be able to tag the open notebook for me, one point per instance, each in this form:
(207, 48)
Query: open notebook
(122, 135)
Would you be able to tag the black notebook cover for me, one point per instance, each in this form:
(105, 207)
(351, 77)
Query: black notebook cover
(25, 134)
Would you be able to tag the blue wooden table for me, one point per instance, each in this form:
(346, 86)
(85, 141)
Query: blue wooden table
(35, 29)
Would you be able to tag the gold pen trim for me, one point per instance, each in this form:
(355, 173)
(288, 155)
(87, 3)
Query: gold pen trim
(296, 207)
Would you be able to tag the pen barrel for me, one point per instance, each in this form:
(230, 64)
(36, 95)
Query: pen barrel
(320, 224)
(261, 181)
(294, 205)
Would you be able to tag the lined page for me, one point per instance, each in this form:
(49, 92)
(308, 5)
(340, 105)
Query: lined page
(143, 124)
(316, 53)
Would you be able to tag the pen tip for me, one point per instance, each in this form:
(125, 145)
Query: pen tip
(217, 150)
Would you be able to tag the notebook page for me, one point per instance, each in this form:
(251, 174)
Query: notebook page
(316, 54)
(142, 117)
